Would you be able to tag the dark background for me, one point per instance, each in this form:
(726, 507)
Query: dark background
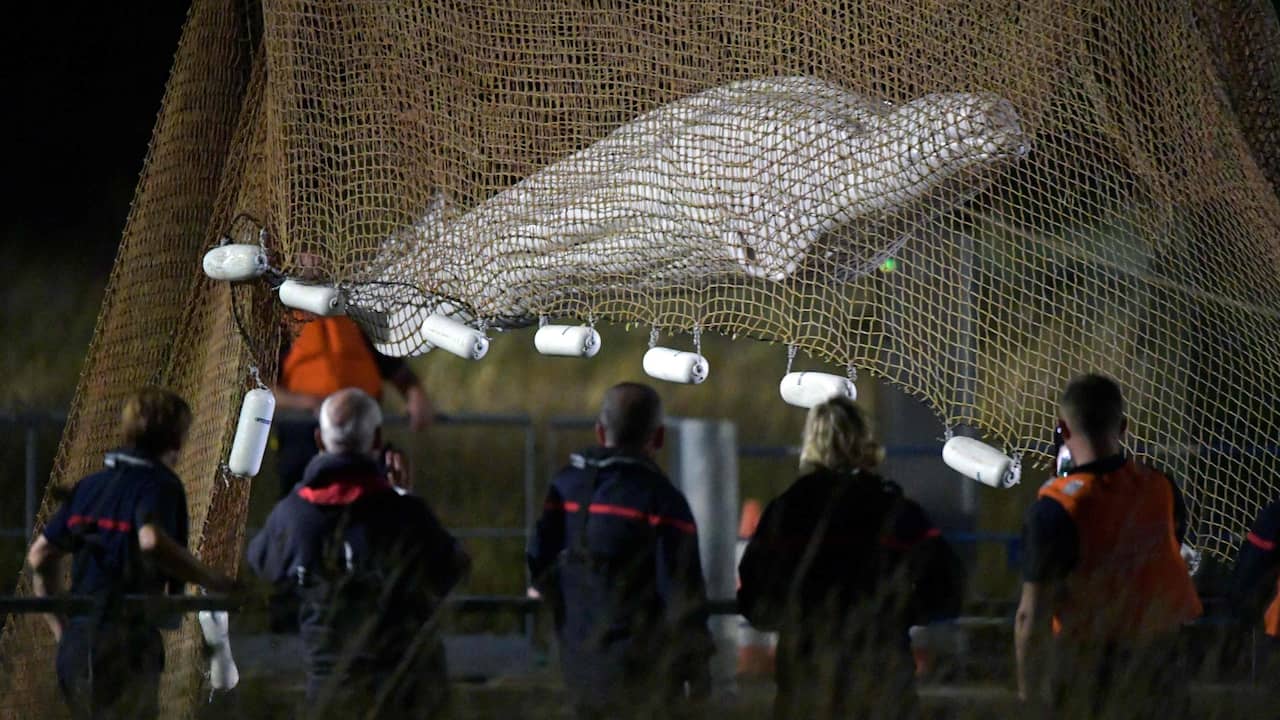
(84, 82)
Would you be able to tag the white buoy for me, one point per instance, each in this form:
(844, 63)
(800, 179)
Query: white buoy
(676, 366)
(455, 337)
(223, 673)
(235, 263)
(324, 300)
(567, 340)
(806, 389)
(979, 461)
(252, 431)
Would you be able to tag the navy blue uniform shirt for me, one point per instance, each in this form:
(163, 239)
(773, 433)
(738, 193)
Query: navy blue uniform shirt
(616, 554)
(99, 524)
(1257, 564)
(368, 564)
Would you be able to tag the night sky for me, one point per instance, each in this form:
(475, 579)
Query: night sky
(83, 86)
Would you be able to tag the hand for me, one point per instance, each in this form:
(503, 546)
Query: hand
(399, 469)
(419, 408)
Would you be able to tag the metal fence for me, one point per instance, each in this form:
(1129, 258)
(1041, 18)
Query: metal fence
(30, 423)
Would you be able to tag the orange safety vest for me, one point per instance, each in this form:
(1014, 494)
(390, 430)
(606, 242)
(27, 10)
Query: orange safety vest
(329, 354)
(1130, 583)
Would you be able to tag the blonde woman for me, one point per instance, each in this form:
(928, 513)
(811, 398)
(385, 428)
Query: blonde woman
(841, 566)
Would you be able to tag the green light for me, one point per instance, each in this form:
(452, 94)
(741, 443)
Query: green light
(889, 265)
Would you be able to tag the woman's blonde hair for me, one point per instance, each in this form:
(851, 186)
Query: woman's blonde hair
(837, 436)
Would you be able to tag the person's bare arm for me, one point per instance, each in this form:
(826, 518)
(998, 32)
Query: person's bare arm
(1031, 631)
(46, 579)
(177, 562)
(416, 402)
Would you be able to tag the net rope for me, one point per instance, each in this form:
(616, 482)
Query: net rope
(973, 201)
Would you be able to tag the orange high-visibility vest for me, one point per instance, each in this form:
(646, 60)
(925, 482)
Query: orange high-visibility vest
(330, 354)
(1130, 582)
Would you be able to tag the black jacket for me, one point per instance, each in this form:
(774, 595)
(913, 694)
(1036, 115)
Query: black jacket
(842, 565)
(616, 554)
(369, 565)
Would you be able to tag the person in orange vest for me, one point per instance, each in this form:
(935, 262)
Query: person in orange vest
(332, 353)
(1102, 575)
(1255, 591)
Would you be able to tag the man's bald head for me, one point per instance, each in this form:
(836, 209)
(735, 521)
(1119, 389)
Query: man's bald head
(349, 422)
(630, 416)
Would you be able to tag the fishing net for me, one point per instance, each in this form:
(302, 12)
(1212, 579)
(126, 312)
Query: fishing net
(974, 201)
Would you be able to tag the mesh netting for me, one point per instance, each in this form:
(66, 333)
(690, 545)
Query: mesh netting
(1060, 187)
(162, 322)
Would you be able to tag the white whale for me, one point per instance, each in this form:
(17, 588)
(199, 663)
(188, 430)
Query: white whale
(743, 179)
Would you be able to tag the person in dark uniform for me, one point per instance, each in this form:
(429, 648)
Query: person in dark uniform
(1103, 575)
(329, 354)
(616, 555)
(126, 530)
(1255, 585)
(841, 565)
(369, 565)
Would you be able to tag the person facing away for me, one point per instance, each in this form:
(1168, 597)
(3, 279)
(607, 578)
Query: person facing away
(329, 354)
(370, 567)
(1103, 575)
(125, 528)
(1255, 582)
(841, 565)
(615, 553)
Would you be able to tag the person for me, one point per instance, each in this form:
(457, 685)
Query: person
(369, 566)
(331, 353)
(841, 565)
(125, 528)
(1255, 581)
(615, 553)
(1103, 575)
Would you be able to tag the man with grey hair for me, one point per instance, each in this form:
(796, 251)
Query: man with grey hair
(369, 566)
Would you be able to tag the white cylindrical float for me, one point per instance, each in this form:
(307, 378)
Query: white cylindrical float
(567, 340)
(252, 431)
(676, 366)
(979, 461)
(223, 673)
(323, 300)
(455, 337)
(806, 389)
(234, 263)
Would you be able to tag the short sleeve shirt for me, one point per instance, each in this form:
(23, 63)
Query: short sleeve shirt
(99, 523)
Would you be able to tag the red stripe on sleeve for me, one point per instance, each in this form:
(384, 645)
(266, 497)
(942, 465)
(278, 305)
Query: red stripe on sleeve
(104, 523)
(1261, 542)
